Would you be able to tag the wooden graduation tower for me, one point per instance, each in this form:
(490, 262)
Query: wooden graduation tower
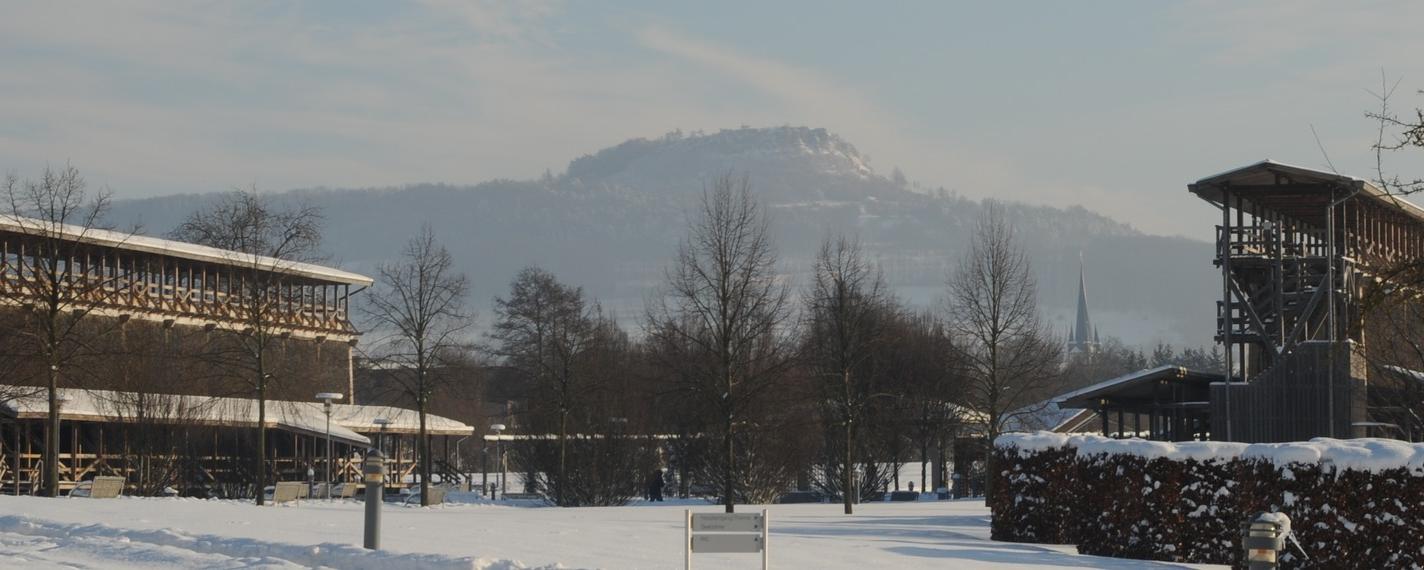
(1296, 248)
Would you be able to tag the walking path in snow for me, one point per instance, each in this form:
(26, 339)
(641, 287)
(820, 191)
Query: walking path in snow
(186, 533)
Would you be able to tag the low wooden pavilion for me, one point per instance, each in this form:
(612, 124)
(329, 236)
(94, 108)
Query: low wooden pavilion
(1167, 403)
(201, 445)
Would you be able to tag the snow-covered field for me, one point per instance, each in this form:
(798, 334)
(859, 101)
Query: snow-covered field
(186, 533)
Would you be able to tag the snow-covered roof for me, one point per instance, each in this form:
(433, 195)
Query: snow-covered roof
(1167, 372)
(1266, 171)
(348, 421)
(363, 419)
(1043, 415)
(159, 246)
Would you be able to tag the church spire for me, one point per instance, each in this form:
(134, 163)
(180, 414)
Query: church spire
(1084, 337)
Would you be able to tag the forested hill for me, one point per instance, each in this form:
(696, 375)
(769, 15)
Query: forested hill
(612, 220)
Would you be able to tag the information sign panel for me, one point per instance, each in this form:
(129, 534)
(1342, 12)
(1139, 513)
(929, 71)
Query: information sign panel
(723, 543)
(726, 522)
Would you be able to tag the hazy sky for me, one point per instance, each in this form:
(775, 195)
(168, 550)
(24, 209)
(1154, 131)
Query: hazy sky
(1112, 105)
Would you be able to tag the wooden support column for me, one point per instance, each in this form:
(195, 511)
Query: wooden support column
(16, 453)
(397, 453)
(74, 451)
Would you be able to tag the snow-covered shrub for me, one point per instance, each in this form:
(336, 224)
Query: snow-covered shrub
(1034, 505)
(1353, 503)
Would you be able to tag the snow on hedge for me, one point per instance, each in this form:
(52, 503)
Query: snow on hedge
(1370, 455)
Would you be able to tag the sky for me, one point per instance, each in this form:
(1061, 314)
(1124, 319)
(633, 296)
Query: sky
(1114, 106)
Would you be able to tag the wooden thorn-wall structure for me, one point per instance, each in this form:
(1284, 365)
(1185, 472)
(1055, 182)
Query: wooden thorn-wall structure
(1295, 248)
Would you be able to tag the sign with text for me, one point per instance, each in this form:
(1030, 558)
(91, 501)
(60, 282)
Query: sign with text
(726, 522)
(725, 543)
(727, 533)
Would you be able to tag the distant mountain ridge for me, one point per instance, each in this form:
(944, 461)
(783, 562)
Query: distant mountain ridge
(612, 220)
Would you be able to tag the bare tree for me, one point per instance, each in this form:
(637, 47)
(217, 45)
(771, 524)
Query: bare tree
(1410, 133)
(847, 316)
(57, 283)
(724, 301)
(421, 305)
(546, 331)
(1007, 353)
(271, 240)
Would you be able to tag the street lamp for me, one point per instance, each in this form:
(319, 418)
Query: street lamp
(327, 398)
(499, 455)
(381, 441)
(383, 422)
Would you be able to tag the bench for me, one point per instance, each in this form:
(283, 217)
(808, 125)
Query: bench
(898, 496)
(799, 497)
(437, 496)
(346, 490)
(103, 487)
(287, 491)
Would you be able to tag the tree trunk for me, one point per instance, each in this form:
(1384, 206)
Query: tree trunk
(849, 491)
(990, 466)
(924, 459)
(51, 460)
(261, 439)
(563, 456)
(424, 450)
(729, 470)
(848, 472)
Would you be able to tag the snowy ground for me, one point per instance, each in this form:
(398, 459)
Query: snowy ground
(185, 533)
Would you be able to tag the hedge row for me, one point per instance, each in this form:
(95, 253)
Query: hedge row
(1178, 503)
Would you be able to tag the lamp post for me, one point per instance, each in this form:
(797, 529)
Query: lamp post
(381, 440)
(327, 398)
(499, 455)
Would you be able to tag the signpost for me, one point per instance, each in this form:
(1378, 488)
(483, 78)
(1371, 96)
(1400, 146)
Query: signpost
(719, 533)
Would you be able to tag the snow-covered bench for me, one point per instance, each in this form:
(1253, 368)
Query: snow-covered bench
(287, 491)
(437, 496)
(104, 487)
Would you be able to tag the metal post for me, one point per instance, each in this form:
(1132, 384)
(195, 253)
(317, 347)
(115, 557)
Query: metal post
(326, 398)
(499, 457)
(374, 472)
(1330, 314)
(765, 539)
(687, 538)
(328, 451)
